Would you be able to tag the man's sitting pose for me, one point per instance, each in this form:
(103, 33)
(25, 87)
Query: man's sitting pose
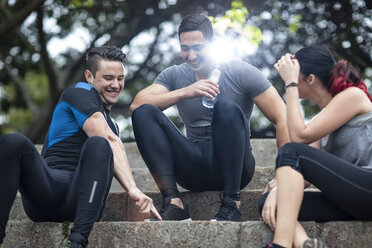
(216, 154)
(70, 181)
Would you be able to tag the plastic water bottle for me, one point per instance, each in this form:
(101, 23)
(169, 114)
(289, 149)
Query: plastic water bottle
(215, 77)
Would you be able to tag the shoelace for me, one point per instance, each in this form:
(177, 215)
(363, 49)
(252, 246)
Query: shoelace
(164, 208)
(220, 201)
(224, 211)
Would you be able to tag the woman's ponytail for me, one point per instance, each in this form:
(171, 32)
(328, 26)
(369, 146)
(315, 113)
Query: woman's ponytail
(343, 76)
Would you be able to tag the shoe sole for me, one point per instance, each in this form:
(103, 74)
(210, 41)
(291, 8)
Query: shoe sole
(214, 220)
(151, 220)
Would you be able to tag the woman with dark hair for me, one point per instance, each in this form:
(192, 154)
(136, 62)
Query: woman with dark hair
(341, 169)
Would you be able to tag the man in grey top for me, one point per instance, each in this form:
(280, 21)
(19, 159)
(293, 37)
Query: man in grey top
(216, 154)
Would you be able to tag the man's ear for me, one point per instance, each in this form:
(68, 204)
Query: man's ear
(89, 76)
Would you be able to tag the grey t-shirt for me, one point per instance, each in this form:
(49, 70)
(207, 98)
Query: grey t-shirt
(239, 81)
(353, 141)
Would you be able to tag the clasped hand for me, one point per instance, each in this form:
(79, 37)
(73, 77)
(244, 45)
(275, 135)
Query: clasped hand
(288, 68)
(269, 209)
(204, 87)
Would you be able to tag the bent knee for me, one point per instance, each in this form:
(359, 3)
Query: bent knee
(227, 111)
(144, 110)
(98, 147)
(289, 146)
(15, 142)
(289, 155)
(225, 104)
(144, 114)
(97, 141)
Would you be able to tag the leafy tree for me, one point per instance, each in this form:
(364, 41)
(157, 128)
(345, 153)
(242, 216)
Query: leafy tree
(24, 44)
(343, 25)
(31, 79)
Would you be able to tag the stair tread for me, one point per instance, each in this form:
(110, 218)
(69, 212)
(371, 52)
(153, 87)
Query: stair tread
(183, 234)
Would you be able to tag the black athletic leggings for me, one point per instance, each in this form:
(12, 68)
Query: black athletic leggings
(225, 163)
(52, 194)
(346, 190)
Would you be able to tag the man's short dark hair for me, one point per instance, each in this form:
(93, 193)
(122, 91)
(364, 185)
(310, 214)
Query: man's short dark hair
(109, 53)
(196, 22)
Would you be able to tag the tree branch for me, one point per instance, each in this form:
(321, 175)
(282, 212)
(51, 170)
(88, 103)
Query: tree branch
(137, 21)
(73, 72)
(144, 64)
(18, 18)
(53, 90)
(21, 86)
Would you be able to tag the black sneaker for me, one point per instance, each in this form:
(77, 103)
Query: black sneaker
(228, 211)
(72, 244)
(170, 211)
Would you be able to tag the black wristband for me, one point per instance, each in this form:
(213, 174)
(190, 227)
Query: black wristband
(293, 84)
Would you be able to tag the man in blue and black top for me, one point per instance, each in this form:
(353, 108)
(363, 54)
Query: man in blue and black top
(71, 179)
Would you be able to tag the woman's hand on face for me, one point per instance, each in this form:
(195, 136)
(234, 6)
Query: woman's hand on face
(288, 68)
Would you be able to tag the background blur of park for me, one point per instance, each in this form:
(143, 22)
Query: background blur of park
(43, 42)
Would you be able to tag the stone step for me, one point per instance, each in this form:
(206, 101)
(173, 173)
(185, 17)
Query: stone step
(264, 152)
(252, 234)
(121, 225)
(145, 181)
(202, 206)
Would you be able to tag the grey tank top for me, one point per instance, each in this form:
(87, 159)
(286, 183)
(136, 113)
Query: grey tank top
(353, 141)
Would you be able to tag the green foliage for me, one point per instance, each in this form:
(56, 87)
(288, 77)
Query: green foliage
(237, 4)
(254, 34)
(238, 13)
(37, 86)
(310, 109)
(235, 20)
(286, 25)
(66, 229)
(295, 23)
(10, 92)
(18, 118)
(81, 3)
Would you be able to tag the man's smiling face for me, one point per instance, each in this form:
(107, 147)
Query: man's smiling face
(194, 50)
(108, 81)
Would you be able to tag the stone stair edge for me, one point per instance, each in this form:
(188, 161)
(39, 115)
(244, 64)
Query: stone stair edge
(183, 234)
(202, 206)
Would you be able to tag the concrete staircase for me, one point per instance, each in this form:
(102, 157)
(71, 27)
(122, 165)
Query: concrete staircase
(121, 225)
